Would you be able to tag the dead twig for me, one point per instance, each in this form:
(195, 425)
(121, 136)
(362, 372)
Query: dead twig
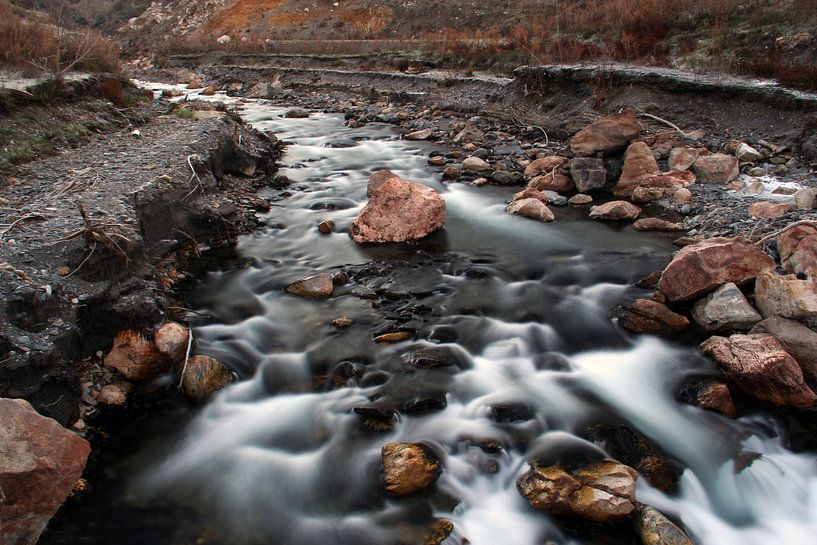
(186, 355)
(779, 232)
(195, 176)
(13, 224)
(84, 261)
(101, 231)
(660, 120)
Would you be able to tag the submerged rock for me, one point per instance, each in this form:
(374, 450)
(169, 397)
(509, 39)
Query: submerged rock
(399, 211)
(655, 529)
(41, 463)
(135, 356)
(204, 376)
(699, 268)
(601, 492)
(608, 134)
(408, 468)
(761, 368)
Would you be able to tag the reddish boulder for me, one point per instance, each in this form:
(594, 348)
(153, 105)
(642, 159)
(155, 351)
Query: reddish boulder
(646, 316)
(204, 376)
(135, 356)
(378, 178)
(399, 211)
(716, 396)
(758, 365)
(769, 210)
(717, 168)
(608, 134)
(544, 165)
(798, 250)
(785, 295)
(532, 208)
(682, 158)
(408, 468)
(700, 268)
(615, 210)
(40, 464)
(656, 224)
(116, 394)
(171, 339)
(639, 164)
(796, 339)
(659, 186)
(552, 181)
(601, 492)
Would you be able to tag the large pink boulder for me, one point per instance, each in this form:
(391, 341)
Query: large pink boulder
(761, 368)
(639, 164)
(798, 250)
(717, 168)
(399, 211)
(40, 463)
(608, 134)
(702, 267)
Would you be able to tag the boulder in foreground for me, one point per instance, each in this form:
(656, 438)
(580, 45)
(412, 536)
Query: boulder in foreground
(204, 376)
(408, 468)
(40, 464)
(608, 134)
(399, 211)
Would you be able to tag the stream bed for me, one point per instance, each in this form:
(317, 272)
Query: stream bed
(513, 316)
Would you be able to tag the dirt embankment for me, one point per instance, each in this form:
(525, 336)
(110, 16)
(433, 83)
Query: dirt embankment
(94, 239)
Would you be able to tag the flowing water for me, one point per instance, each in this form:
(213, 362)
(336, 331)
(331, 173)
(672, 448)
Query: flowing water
(520, 309)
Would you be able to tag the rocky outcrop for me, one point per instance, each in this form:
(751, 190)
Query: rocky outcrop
(615, 211)
(609, 134)
(646, 316)
(135, 356)
(397, 212)
(700, 268)
(408, 468)
(40, 464)
(204, 376)
(796, 339)
(761, 368)
(601, 492)
(726, 309)
(786, 296)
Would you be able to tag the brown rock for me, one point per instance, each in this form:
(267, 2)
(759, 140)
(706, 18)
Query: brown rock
(682, 158)
(646, 316)
(796, 339)
(529, 193)
(602, 492)
(343, 322)
(451, 173)
(758, 365)
(531, 208)
(377, 179)
(136, 357)
(655, 529)
(476, 164)
(702, 267)
(717, 168)
(716, 396)
(769, 210)
(606, 135)
(552, 182)
(437, 161)
(317, 286)
(423, 134)
(469, 134)
(682, 196)
(798, 250)
(615, 210)
(394, 337)
(40, 463)
(639, 163)
(204, 376)
(399, 211)
(580, 199)
(115, 394)
(544, 165)
(210, 90)
(326, 226)
(656, 224)
(786, 296)
(408, 468)
(171, 340)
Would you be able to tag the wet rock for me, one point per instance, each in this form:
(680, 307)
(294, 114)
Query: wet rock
(469, 134)
(646, 316)
(553, 181)
(655, 529)
(171, 340)
(317, 286)
(326, 226)
(451, 173)
(377, 179)
(682, 158)
(399, 211)
(761, 368)
(408, 468)
(296, 113)
(615, 211)
(656, 224)
(530, 193)
(115, 394)
(435, 357)
(699, 268)
(531, 208)
(580, 199)
(343, 322)
(786, 296)
(798, 250)
(41, 463)
(769, 210)
(717, 168)
(476, 164)
(601, 492)
(796, 339)
(725, 309)
(639, 162)
(748, 154)
(136, 357)
(715, 396)
(439, 533)
(437, 161)
(503, 177)
(544, 165)
(394, 337)
(423, 134)
(588, 173)
(606, 135)
(204, 376)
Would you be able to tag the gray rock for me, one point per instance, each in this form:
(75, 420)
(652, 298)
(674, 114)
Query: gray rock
(555, 198)
(503, 177)
(588, 173)
(726, 309)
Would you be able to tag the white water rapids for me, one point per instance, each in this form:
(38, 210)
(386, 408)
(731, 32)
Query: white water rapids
(279, 461)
